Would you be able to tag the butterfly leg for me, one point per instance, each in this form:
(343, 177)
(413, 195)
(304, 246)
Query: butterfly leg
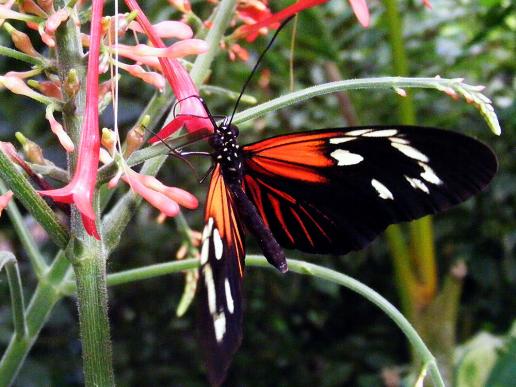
(268, 244)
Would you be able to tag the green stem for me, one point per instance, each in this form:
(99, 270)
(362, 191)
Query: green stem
(46, 295)
(8, 260)
(351, 84)
(399, 57)
(299, 267)
(30, 199)
(422, 257)
(90, 273)
(15, 54)
(221, 21)
(38, 262)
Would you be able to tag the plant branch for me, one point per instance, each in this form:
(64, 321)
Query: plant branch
(300, 267)
(15, 54)
(38, 262)
(471, 93)
(30, 199)
(46, 295)
(8, 260)
(223, 16)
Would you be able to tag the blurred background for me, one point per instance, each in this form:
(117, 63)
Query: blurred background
(300, 331)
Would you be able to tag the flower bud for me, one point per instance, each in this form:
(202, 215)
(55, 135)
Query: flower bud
(46, 5)
(134, 140)
(30, 7)
(21, 41)
(108, 140)
(72, 85)
(32, 151)
(48, 88)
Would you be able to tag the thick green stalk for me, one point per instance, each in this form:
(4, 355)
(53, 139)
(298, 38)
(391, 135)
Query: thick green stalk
(46, 295)
(90, 273)
(87, 254)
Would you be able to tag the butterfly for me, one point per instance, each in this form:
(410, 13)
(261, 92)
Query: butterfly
(328, 191)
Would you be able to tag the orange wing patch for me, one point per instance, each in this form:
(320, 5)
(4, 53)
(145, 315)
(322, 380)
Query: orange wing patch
(220, 207)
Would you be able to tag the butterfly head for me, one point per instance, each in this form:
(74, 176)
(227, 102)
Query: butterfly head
(226, 150)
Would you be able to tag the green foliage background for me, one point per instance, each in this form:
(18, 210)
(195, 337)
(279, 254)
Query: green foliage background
(300, 331)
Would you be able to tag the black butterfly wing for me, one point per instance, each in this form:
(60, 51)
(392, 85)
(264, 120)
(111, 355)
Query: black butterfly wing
(335, 190)
(221, 273)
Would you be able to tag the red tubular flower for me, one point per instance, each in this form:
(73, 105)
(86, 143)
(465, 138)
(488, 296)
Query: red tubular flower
(251, 32)
(191, 110)
(80, 190)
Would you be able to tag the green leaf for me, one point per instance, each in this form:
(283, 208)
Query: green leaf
(504, 371)
(476, 359)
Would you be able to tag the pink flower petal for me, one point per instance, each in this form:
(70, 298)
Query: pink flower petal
(167, 29)
(150, 77)
(4, 200)
(55, 20)
(156, 199)
(59, 131)
(361, 11)
(13, 83)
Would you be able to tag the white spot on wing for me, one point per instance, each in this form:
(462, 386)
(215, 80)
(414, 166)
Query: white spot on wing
(210, 288)
(410, 151)
(382, 190)
(398, 140)
(217, 244)
(207, 229)
(229, 297)
(429, 175)
(205, 250)
(417, 184)
(357, 132)
(345, 157)
(382, 133)
(340, 140)
(219, 323)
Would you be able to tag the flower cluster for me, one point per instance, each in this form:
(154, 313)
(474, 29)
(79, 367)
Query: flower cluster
(153, 63)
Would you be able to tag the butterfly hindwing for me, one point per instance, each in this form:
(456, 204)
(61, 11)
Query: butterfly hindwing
(334, 190)
(221, 272)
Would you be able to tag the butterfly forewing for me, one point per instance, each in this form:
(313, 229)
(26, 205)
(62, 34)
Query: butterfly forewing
(334, 190)
(221, 272)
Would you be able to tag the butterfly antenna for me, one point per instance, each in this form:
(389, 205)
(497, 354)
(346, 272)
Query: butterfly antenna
(253, 71)
(173, 152)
